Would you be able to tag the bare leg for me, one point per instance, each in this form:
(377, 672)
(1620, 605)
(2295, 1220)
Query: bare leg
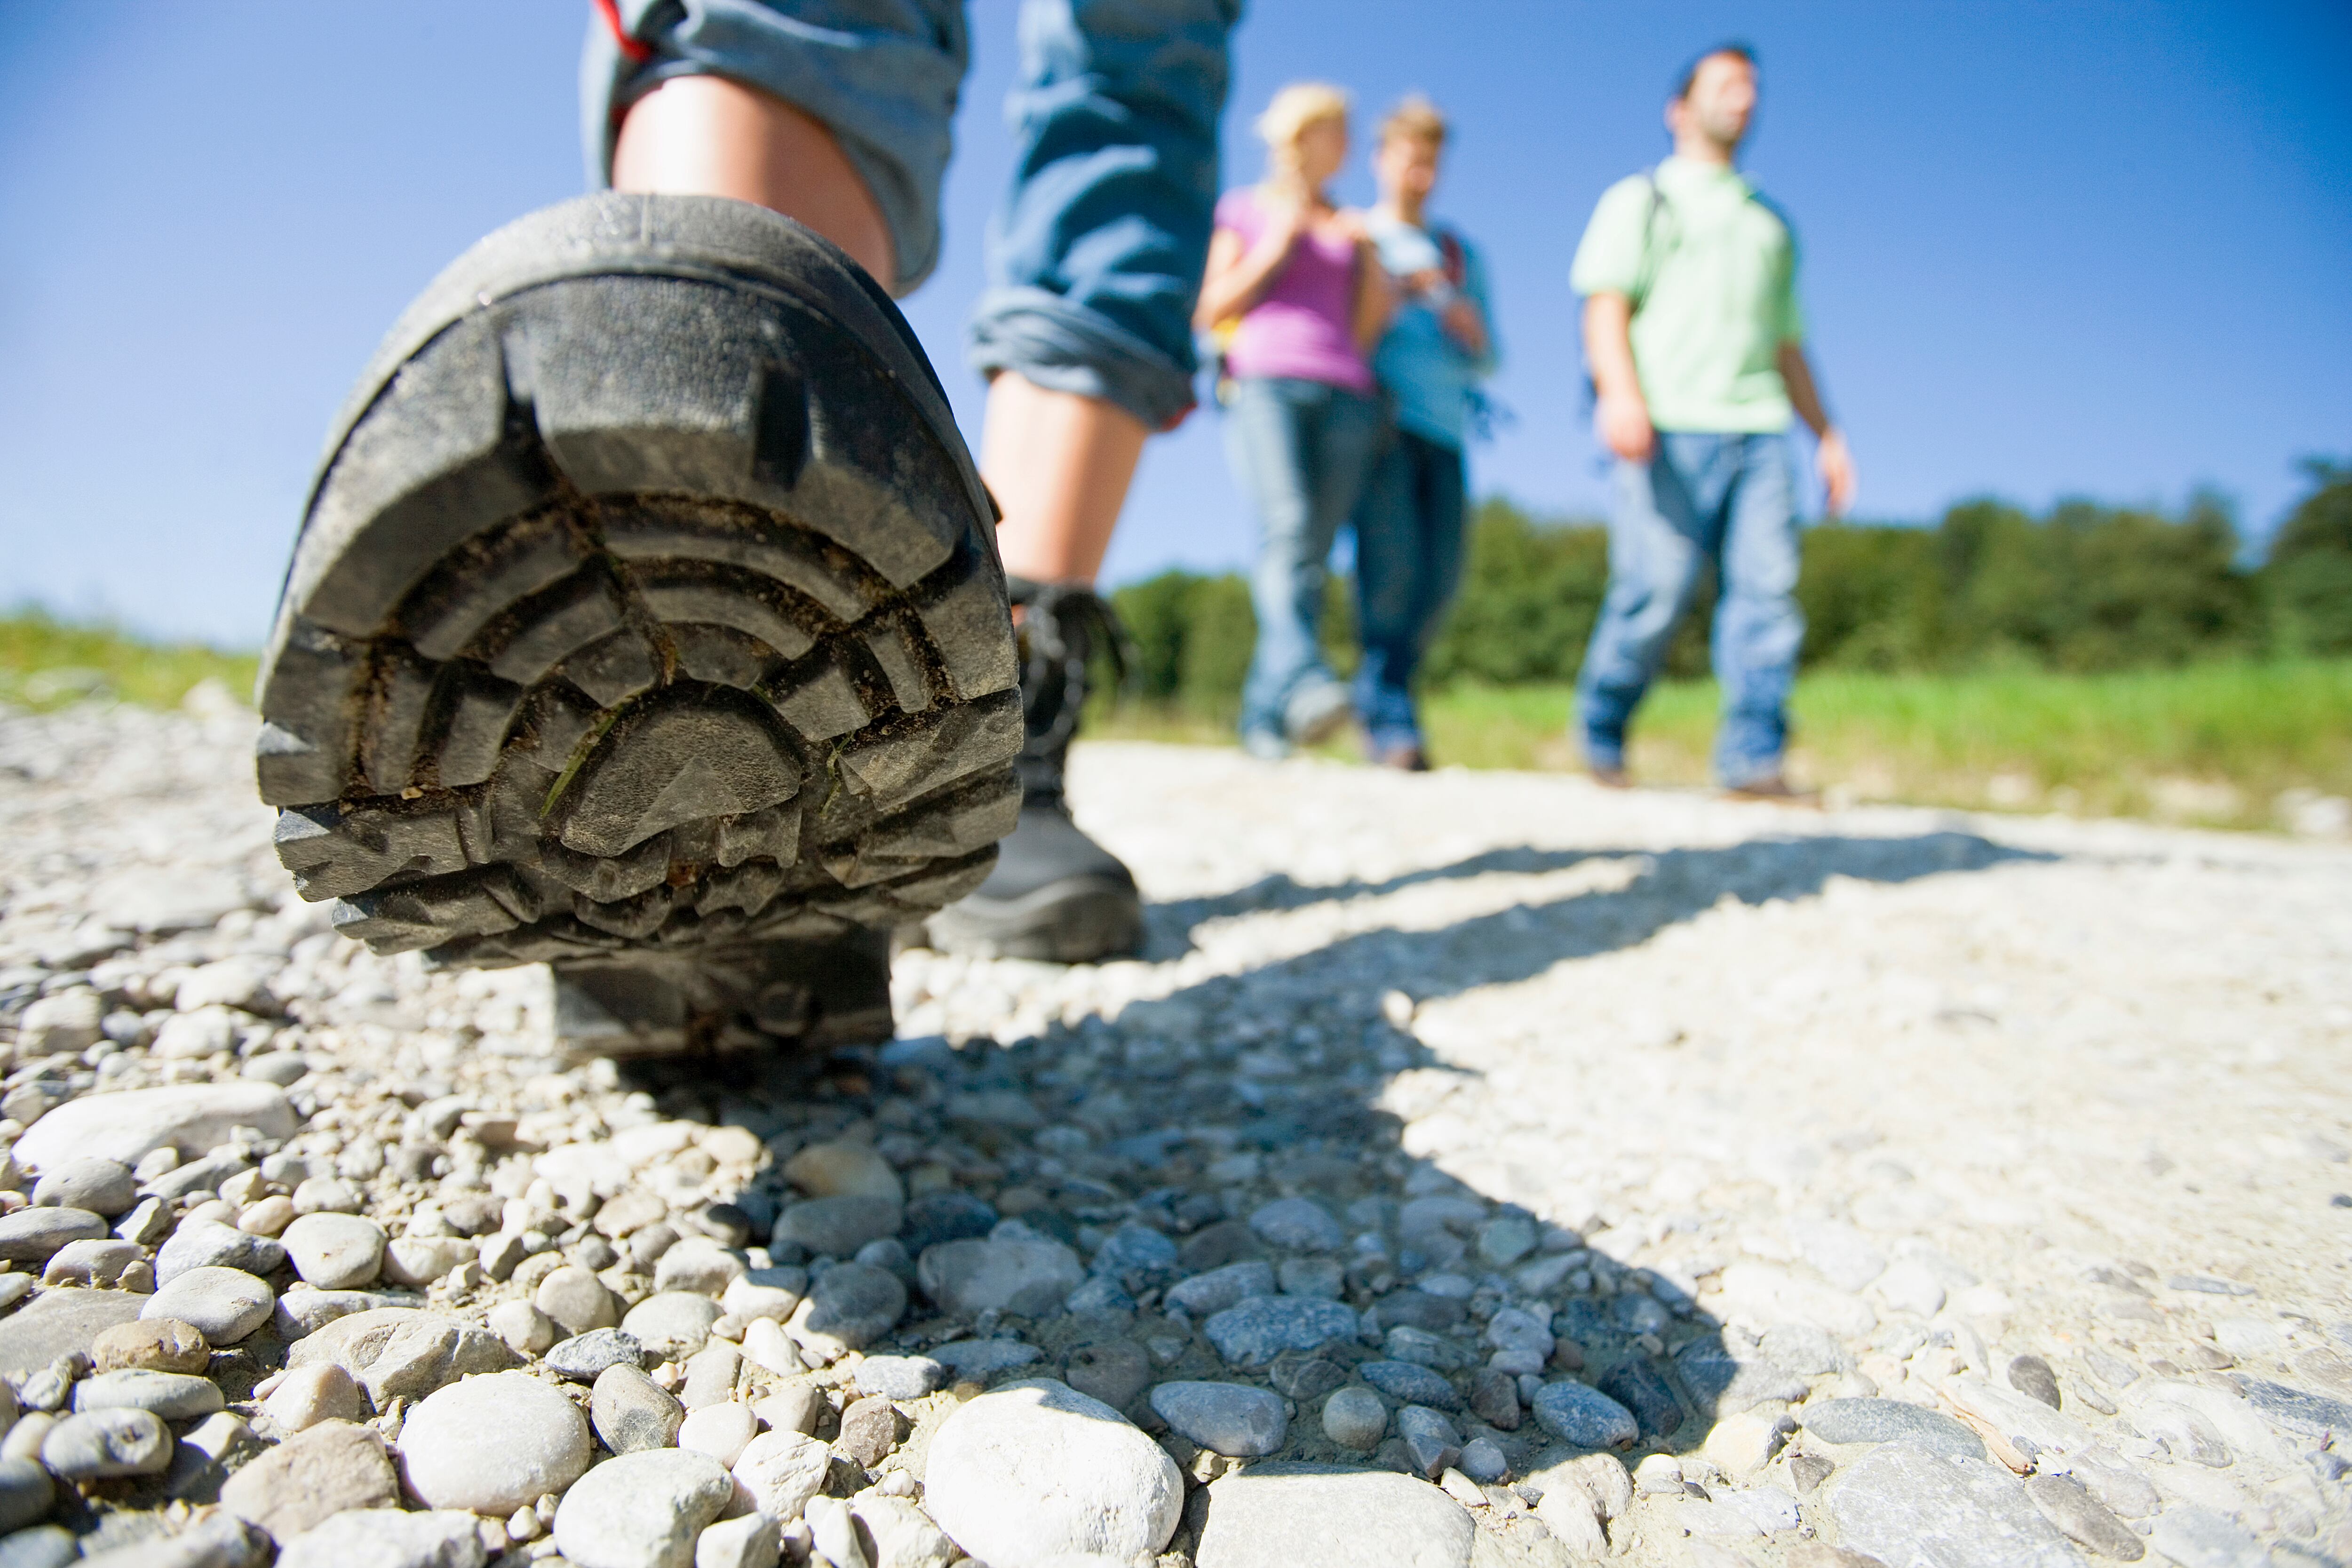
(708, 136)
(1059, 464)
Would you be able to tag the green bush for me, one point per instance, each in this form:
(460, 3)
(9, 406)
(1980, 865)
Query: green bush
(2307, 582)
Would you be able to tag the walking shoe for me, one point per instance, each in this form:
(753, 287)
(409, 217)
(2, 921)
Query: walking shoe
(1610, 775)
(1315, 713)
(1774, 790)
(645, 619)
(1056, 894)
(1405, 756)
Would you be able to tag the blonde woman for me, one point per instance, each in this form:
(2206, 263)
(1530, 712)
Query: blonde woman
(1312, 299)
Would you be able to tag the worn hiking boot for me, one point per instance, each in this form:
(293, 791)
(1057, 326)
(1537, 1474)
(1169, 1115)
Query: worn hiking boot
(646, 619)
(1056, 894)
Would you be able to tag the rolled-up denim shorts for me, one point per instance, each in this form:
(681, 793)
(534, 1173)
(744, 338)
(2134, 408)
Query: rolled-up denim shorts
(1094, 256)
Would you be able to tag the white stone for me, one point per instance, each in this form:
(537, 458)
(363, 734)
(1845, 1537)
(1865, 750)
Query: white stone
(334, 1251)
(642, 1511)
(721, 1431)
(194, 1118)
(1036, 1467)
(492, 1444)
(780, 1470)
(387, 1538)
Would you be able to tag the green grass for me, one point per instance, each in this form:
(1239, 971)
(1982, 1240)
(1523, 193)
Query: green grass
(45, 663)
(2215, 744)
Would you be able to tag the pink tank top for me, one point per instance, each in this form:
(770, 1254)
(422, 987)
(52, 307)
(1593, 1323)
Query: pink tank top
(1299, 327)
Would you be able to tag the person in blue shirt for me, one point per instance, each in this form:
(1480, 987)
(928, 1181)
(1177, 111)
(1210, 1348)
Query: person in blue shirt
(1409, 522)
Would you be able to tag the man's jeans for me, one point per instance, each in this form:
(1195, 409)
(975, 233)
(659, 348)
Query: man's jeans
(1301, 448)
(1094, 257)
(1726, 497)
(1408, 565)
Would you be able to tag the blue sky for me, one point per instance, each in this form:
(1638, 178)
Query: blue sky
(2090, 248)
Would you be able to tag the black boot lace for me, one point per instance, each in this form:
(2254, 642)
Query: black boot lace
(1064, 629)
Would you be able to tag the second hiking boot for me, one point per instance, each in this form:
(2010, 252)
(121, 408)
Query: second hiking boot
(1056, 894)
(646, 619)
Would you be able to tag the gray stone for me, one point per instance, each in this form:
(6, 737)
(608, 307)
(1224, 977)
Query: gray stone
(61, 1323)
(208, 1243)
(582, 1357)
(1417, 1308)
(1494, 1399)
(225, 1305)
(698, 1263)
(1641, 1388)
(899, 1376)
(1255, 1331)
(1300, 1224)
(1027, 1276)
(1424, 1349)
(1431, 1442)
(2065, 1503)
(491, 1445)
(869, 1430)
(222, 1541)
(101, 1443)
(42, 1546)
(192, 1118)
(174, 1395)
(1887, 1421)
(2031, 1377)
(576, 1299)
(642, 1511)
(670, 1324)
(99, 1265)
(1725, 1382)
(1113, 1371)
(1319, 1516)
(1297, 1374)
(632, 1412)
(848, 1307)
(2205, 1538)
(1905, 1503)
(1402, 1380)
(334, 1251)
(1802, 1349)
(1035, 1469)
(936, 1218)
(400, 1352)
(2298, 1410)
(387, 1538)
(1219, 1288)
(1575, 1412)
(1355, 1418)
(1504, 1239)
(101, 1186)
(312, 1476)
(30, 1236)
(26, 1493)
(839, 1226)
(1234, 1419)
(978, 1358)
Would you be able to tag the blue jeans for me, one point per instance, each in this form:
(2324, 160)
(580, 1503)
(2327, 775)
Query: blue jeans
(1301, 448)
(1408, 565)
(1726, 497)
(1093, 258)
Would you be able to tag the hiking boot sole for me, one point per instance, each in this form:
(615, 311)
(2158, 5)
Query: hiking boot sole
(647, 599)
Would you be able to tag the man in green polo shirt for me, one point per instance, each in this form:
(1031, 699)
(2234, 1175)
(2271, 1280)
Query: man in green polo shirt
(1696, 349)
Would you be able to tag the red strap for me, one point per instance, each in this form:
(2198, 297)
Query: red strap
(638, 50)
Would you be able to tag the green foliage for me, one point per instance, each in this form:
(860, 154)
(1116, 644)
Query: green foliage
(2307, 581)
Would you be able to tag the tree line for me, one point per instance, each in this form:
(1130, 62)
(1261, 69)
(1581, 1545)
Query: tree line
(2084, 587)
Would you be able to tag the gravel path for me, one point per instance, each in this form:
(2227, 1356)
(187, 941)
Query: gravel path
(1480, 1168)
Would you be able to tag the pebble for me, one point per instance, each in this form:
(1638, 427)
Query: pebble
(307, 1395)
(25, 1495)
(1235, 1419)
(62, 1021)
(950, 1216)
(632, 1412)
(401, 1352)
(2031, 1377)
(225, 1305)
(1218, 1289)
(2064, 1502)
(492, 1444)
(387, 1538)
(334, 1251)
(698, 1265)
(1113, 1371)
(765, 1343)
(1431, 1442)
(60, 1323)
(836, 1226)
(125, 1125)
(209, 1244)
(642, 1510)
(174, 1395)
(100, 1265)
(1641, 1388)
(103, 1187)
(1255, 1331)
(766, 1293)
(1402, 1380)
(1576, 1413)
(843, 1170)
(1355, 1418)
(1301, 1224)
(1029, 1278)
(31, 1234)
(1725, 1378)
(2196, 1537)
(1299, 1516)
(710, 1375)
(419, 1260)
(526, 1329)
(899, 1376)
(584, 1357)
(870, 1429)
(576, 1300)
(1902, 1503)
(101, 1443)
(780, 1469)
(671, 1325)
(797, 1406)
(1889, 1420)
(719, 1430)
(312, 1476)
(1494, 1399)
(1298, 1375)
(850, 1307)
(979, 1359)
(754, 1540)
(1035, 1468)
